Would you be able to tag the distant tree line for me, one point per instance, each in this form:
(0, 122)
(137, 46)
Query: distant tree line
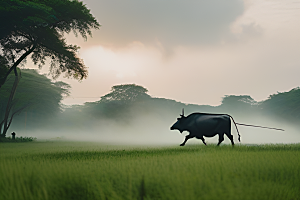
(129, 101)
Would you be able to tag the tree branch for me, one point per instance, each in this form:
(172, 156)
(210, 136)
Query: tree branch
(17, 111)
(14, 67)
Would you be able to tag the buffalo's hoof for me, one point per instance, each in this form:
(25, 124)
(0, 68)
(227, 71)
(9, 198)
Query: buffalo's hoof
(181, 144)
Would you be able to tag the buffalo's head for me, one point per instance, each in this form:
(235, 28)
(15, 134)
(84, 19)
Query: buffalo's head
(179, 125)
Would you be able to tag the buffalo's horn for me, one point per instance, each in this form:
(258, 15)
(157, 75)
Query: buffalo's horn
(182, 112)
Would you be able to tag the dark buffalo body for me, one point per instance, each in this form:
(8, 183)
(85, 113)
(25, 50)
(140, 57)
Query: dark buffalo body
(204, 124)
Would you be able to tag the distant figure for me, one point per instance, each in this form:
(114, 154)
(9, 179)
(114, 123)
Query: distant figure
(13, 135)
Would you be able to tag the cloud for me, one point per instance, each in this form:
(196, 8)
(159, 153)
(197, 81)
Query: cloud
(243, 32)
(258, 55)
(168, 22)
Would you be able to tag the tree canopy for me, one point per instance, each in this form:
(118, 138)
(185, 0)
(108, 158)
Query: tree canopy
(125, 93)
(284, 104)
(118, 102)
(37, 27)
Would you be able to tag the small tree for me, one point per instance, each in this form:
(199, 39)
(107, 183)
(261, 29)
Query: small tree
(7, 117)
(36, 94)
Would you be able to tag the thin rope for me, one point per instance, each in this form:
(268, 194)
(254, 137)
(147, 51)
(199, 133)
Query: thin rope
(260, 126)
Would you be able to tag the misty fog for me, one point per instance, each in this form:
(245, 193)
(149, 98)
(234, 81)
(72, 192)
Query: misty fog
(128, 115)
(153, 128)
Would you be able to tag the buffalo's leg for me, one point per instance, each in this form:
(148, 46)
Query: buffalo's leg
(231, 138)
(186, 139)
(221, 138)
(228, 134)
(203, 141)
(202, 138)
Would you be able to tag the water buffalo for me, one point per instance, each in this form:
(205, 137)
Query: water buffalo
(204, 124)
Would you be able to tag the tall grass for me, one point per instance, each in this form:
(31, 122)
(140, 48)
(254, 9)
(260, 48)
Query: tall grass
(65, 170)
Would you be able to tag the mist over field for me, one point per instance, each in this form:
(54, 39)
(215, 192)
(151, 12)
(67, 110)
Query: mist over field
(142, 134)
(153, 128)
(129, 115)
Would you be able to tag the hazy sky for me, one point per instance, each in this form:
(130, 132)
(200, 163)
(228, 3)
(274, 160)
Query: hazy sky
(191, 51)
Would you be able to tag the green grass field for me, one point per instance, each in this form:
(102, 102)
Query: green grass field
(73, 170)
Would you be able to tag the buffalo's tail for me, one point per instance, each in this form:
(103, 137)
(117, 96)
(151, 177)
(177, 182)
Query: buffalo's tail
(239, 138)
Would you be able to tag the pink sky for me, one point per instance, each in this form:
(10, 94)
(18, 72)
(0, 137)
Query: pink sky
(190, 51)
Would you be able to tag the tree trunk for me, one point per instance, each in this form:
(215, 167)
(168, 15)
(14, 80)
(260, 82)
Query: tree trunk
(6, 122)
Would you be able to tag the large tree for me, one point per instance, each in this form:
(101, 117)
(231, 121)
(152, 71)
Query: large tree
(36, 27)
(118, 102)
(126, 93)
